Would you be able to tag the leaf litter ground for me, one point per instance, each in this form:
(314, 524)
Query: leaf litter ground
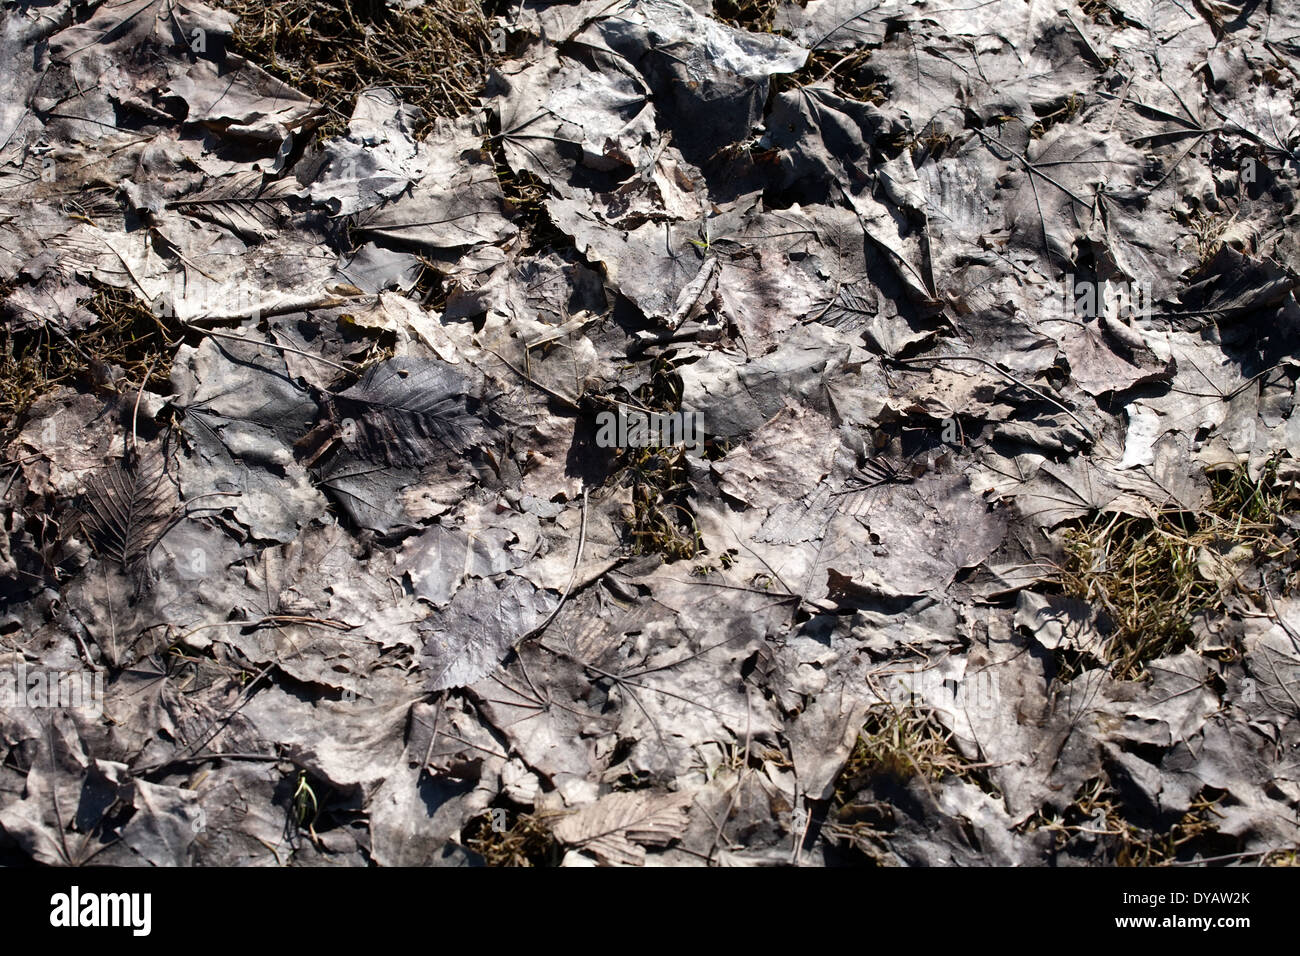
(987, 317)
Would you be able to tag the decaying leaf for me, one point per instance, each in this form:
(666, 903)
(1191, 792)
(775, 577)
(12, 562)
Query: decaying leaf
(131, 506)
(245, 203)
(618, 827)
(411, 412)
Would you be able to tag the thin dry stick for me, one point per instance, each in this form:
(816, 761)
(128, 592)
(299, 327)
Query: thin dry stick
(268, 345)
(135, 412)
(562, 399)
(1005, 374)
(735, 788)
(433, 735)
(573, 575)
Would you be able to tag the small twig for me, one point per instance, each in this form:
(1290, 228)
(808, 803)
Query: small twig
(1005, 374)
(269, 345)
(562, 399)
(135, 411)
(1200, 861)
(573, 575)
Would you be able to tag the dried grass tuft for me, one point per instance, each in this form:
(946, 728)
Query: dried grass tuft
(435, 55)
